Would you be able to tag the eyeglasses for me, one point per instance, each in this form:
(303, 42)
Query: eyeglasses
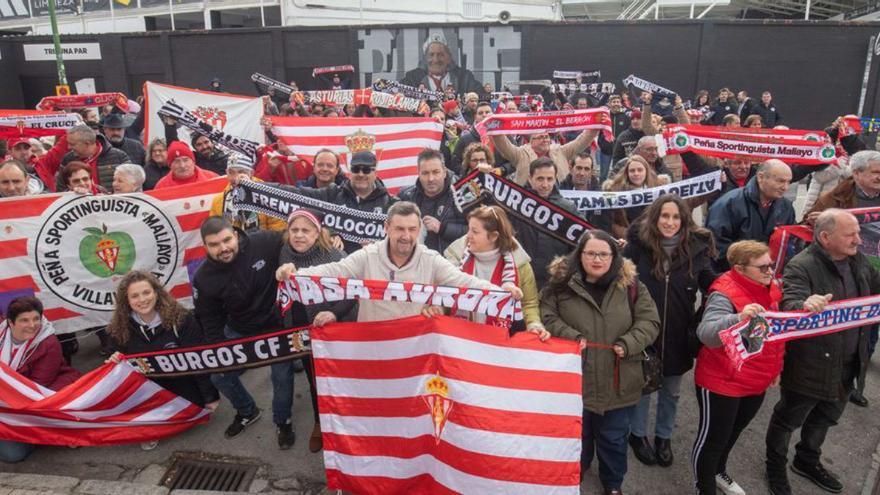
(594, 255)
(361, 169)
(763, 268)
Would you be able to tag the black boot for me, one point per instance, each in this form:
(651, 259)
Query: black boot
(663, 451)
(777, 482)
(642, 449)
(858, 399)
(818, 475)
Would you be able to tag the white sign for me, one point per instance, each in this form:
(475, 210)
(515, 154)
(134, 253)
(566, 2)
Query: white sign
(85, 86)
(70, 51)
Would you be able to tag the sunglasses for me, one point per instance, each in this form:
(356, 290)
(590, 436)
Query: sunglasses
(361, 169)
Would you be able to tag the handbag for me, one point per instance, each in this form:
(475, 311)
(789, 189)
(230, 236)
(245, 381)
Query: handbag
(652, 365)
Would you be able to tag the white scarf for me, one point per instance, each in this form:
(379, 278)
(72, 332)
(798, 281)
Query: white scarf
(26, 349)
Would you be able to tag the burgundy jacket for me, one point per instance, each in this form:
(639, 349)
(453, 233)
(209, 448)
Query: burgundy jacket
(47, 367)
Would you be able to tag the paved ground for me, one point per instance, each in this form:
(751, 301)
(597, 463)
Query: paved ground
(848, 449)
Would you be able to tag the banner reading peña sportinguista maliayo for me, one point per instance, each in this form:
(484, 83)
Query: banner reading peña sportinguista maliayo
(70, 250)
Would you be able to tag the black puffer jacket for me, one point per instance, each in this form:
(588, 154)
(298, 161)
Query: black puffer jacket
(814, 366)
(442, 207)
(377, 202)
(675, 295)
(242, 293)
(105, 163)
(133, 148)
(723, 109)
(542, 248)
(196, 389)
(154, 172)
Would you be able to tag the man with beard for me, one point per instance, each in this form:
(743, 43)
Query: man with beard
(234, 292)
(113, 128)
(540, 246)
(401, 258)
(208, 157)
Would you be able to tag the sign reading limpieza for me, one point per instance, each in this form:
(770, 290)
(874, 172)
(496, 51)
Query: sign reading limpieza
(88, 243)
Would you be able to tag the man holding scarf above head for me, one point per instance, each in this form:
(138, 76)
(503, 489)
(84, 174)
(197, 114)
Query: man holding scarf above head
(398, 258)
(207, 156)
(540, 145)
(818, 374)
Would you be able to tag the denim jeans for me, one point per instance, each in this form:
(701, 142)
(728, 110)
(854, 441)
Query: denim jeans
(229, 384)
(667, 405)
(606, 435)
(15, 451)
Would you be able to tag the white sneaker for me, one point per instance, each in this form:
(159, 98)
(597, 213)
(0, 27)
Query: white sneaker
(727, 486)
(149, 445)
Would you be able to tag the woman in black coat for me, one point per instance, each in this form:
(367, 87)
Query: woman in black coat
(146, 319)
(673, 259)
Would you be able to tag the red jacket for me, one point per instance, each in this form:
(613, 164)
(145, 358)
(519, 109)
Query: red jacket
(715, 371)
(289, 172)
(200, 175)
(47, 367)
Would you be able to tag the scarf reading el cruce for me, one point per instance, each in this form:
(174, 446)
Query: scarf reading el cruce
(16, 356)
(505, 272)
(746, 339)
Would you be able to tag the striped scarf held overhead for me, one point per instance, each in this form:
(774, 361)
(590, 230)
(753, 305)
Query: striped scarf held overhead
(505, 271)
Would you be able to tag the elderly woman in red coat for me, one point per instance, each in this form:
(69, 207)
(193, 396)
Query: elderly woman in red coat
(28, 345)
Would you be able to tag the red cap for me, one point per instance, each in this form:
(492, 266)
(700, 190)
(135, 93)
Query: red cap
(636, 114)
(13, 142)
(449, 106)
(179, 149)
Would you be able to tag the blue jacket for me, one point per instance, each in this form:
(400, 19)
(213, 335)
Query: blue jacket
(736, 216)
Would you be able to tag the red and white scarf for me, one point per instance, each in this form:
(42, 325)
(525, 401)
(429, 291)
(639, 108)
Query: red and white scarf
(16, 357)
(505, 271)
(541, 122)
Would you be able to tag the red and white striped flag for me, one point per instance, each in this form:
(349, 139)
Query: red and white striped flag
(443, 405)
(110, 405)
(395, 141)
(70, 250)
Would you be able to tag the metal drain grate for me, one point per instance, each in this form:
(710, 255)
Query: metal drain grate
(220, 476)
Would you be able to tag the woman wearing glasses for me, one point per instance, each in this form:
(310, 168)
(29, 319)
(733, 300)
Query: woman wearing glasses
(673, 258)
(728, 398)
(595, 298)
(490, 251)
(478, 156)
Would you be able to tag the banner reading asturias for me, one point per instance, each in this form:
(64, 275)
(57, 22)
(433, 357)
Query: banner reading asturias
(70, 250)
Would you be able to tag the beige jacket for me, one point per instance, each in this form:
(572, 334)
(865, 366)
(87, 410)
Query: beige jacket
(372, 263)
(521, 156)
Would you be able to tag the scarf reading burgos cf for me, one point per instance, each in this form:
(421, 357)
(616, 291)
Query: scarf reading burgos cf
(746, 339)
(317, 290)
(525, 205)
(350, 224)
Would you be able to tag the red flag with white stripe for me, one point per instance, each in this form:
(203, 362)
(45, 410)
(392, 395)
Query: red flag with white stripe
(395, 141)
(70, 250)
(112, 404)
(444, 405)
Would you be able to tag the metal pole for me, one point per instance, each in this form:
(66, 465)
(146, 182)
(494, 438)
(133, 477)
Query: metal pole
(692, 10)
(807, 14)
(56, 40)
(867, 75)
(112, 16)
(262, 14)
(82, 15)
(171, 12)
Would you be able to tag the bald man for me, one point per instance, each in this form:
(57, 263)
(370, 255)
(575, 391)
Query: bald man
(819, 372)
(753, 211)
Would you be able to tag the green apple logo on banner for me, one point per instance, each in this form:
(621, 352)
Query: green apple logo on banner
(106, 253)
